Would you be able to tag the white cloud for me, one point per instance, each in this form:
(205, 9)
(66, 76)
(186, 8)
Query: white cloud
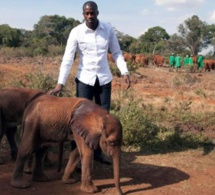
(212, 17)
(184, 17)
(143, 32)
(169, 2)
(171, 5)
(145, 12)
(170, 9)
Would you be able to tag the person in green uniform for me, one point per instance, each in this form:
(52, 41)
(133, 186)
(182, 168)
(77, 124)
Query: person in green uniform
(191, 65)
(171, 62)
(186, 60)
(177, 62)
(200, 62)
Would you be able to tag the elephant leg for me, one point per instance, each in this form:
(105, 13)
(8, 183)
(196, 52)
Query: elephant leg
(87, 165)
(27, 146)
(1, 161)
(60, 156)
(2, 132)
(38, 174)
(70, 167)
(29, 165)
(17, 179)
(47, 162)
(10, 133)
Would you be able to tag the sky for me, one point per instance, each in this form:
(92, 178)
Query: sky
(132, 17)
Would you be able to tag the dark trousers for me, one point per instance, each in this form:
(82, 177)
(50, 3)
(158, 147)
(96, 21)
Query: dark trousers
(100, 94)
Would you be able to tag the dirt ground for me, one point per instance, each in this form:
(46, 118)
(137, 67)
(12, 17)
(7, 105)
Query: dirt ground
(185, 172)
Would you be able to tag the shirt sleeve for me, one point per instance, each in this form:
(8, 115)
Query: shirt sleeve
(68, 58)
(117, 53)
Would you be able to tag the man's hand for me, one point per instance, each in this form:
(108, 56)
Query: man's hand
(127, 82)
(57, 90)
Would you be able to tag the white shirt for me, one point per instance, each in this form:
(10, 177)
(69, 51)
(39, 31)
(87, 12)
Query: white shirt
(92, 47)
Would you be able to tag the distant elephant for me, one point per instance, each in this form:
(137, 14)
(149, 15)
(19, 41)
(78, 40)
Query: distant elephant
(52, 119)
(129, 57)
(13, 102)
(158, 60)
(209, 64)
(142, 60)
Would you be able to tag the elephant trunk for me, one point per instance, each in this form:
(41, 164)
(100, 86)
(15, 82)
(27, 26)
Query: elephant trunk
(116, 169)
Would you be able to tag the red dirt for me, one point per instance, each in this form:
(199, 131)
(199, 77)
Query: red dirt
(186, 172)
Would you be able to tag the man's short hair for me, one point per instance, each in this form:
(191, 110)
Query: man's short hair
(90, 3)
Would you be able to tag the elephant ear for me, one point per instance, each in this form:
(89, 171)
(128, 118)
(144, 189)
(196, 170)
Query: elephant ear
(88, 122)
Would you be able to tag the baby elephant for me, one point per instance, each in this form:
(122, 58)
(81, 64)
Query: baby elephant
(52, 119)
(13, 102)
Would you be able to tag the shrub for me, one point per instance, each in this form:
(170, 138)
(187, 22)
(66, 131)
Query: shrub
(144, 130)
(186, 79)
(137, 128)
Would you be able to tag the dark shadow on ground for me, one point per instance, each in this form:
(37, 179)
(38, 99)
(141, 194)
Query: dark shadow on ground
(150, 175)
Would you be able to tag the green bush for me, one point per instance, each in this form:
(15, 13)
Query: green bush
(186, 79)
(37, 80)
(55, 50)
(143, 129)
(115, 71)
(137, 128)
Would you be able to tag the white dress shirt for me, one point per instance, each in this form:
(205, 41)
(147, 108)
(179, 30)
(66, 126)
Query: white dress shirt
(92, 47)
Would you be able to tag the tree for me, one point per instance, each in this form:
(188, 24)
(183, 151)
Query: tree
(55, 29)
(175, 44)
(10, 37)
(49, 31)
(153, 39)
(210, 36)
(124, 40)
(194, 34)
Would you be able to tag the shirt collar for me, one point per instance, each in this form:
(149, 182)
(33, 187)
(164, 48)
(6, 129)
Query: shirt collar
(100, 26)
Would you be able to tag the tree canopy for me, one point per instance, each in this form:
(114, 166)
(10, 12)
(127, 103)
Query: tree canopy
(52, 31)
(193, 33)
(10, 37)
(153, 39)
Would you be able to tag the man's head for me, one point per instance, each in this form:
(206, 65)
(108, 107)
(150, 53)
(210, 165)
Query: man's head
(90, 13)
(90, 3)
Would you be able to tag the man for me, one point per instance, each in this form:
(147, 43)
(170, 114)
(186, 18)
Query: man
(186, 60)
(200, 62)
(191, 65)
(177, 62)
(171, 62)
(91, 40)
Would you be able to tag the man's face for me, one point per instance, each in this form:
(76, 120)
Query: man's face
(90, 15)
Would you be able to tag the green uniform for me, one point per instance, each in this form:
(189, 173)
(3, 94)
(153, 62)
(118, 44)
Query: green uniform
(200, 61)
(186, 61)
(172, 60)
(190, 61)
(190, 67)
(177, 62)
